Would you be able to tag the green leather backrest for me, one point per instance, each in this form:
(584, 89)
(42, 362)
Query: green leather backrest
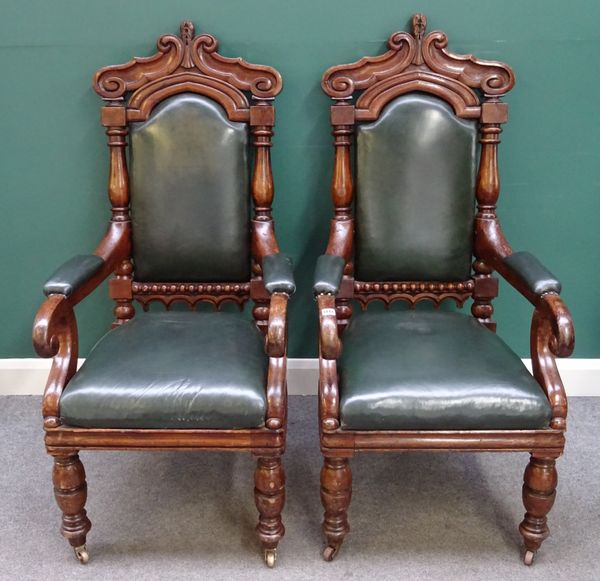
(189, 193)
(415, 192)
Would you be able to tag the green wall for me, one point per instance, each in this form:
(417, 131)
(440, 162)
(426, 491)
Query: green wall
(54, 158)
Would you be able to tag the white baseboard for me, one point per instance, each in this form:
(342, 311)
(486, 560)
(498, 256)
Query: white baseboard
(28, 376)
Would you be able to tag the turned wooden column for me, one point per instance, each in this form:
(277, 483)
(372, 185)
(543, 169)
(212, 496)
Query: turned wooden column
(487, 227)
(336, 492)
(70, 491)
(114, 118)
(262, 120)
(342, 192)
(269, 496)
(539, 492)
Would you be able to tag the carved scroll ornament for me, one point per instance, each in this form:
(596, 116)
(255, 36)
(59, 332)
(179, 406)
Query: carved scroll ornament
(418, 51)
(183, 53)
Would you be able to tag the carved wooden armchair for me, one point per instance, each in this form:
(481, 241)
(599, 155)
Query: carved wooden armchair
(172, 379)
(429, 380)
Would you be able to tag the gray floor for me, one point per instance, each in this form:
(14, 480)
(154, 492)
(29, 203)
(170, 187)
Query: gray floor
(191, 516)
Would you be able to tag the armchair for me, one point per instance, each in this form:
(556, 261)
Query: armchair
(415, 380)
(180, 232)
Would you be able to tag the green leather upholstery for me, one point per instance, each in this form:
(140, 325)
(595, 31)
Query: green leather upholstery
(278, 274)
(416, 370)
(72, 274)
(415, 197)
(172, 370)
(190, 196)
(328, 274)
(532, 273)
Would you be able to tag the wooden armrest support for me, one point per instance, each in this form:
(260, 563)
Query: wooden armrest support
(276, 393)
(329, 342)
(276, 347)
(55, 326)
(276, 339)
(330, 348)
(329, 400)
(552, 335)
(55, 335)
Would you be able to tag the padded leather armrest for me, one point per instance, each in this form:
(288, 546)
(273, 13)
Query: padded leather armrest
(72, 274)
(534, 275)
(278, 274)
(328, 274)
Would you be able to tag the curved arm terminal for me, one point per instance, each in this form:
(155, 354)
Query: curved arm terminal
(55, 335)
(552, 335)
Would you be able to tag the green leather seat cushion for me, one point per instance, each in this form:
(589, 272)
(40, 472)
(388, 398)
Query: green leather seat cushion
(172, 370)
(414, 370)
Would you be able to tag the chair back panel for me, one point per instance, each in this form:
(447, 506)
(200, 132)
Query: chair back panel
(190, 193)
(415, 194)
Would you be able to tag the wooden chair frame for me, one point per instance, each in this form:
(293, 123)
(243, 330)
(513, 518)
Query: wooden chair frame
(185, 63)
(420, 62)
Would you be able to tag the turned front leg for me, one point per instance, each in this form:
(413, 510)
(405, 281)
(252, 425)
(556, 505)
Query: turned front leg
(70, 491)
(336, 492)
(539, 492)
(269, 495)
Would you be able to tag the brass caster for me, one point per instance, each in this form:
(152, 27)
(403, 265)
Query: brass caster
(270, 557)
(528, 558)
(329, 553)
(82, 554)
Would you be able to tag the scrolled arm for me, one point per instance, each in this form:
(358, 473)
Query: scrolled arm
(552, 335)
(55, 327)
(552, 332)
(330, 348)
(555, 311)
(55, 335)
(328, 277)
(278, 277)
(276, 347)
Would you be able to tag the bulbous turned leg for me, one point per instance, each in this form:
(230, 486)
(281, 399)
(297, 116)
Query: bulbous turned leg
(336, 492)
(269, 495)
(539, 492)
(70, 491)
